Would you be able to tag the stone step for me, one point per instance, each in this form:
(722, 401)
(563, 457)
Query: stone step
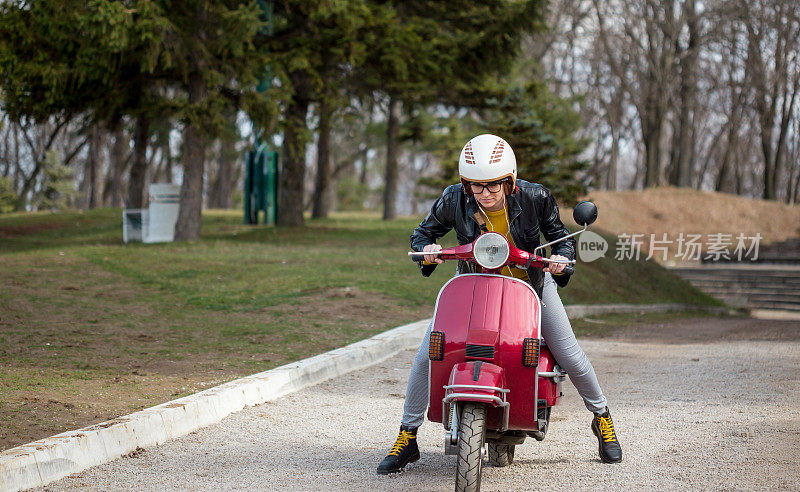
(708, 277)
(782, 307)
(793, 293)
(750, 273)
(755, 297)
(763, 259)
(761, 304)
(747, 285)
(744, 288)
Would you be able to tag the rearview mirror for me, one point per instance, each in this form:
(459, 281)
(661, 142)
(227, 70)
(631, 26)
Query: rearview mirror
(584, 213)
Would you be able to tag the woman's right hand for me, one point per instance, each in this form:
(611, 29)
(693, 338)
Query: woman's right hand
(433, 258)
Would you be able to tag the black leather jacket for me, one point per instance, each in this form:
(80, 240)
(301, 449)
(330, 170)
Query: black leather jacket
(532, 210)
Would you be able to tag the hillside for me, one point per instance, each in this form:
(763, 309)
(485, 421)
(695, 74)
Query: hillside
(675, 210)
(716, 220)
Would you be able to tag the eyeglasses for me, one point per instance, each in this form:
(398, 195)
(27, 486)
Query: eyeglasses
(493, 187)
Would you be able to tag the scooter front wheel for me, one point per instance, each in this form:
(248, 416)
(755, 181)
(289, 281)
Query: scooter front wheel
(471, 437)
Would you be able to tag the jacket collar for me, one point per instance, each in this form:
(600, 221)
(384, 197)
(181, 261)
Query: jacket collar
(514, 208)
(471, 207)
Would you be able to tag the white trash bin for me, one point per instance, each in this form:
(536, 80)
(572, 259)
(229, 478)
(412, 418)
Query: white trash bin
(134, 224)
(164, 205)
(155, 224)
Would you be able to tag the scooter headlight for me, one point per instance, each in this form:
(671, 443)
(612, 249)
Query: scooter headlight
(491, 250)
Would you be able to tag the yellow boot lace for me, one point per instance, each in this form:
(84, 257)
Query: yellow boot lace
(606, 427)
(402, 441)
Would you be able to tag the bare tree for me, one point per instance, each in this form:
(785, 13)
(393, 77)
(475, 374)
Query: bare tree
(773, 34)
(678, 90)
(687, 95)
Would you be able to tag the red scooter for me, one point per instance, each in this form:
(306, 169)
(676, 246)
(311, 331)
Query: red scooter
(492, 379)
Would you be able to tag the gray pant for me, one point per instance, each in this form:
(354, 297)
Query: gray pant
(557, 333)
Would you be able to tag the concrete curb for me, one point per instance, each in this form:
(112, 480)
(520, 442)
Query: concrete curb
(46, 460)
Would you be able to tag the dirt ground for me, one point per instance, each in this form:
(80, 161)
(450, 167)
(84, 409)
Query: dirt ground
(698, 403)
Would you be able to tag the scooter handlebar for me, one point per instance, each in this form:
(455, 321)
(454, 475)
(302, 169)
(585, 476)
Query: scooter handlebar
(536, 261)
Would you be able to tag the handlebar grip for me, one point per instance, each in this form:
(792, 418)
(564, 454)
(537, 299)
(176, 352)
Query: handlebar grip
(568, 270)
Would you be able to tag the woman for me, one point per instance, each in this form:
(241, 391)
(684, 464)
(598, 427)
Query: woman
(491, 198)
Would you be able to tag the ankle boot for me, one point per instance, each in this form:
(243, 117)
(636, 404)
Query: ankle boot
(403, 452)
(603, 428)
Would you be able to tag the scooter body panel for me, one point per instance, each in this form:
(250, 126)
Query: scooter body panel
(485, 318)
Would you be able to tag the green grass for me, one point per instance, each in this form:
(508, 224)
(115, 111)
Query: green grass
(238, 270)
(79, 309)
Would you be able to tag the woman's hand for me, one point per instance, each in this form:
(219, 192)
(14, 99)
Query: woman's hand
(556, 268)
(433, 258)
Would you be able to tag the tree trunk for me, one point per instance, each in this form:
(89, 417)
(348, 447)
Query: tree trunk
(392, 148)
(157, 166)
(15, 178)
(796, 193)
(765, 108)
(688, 91)
(362, 173)
(90, 187)
(138, 170)
(611, 177)
(6, 157)
(223, 189)
(769, 165)
(787, 111)
(739, 171)
(724, 177)
(651, 118)
(190, 213)
(322, 183)
(98, 142)
(652, 154)
(292, 176)
(119, 160)
(168, 163)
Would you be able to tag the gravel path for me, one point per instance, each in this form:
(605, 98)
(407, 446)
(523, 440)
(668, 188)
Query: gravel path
(714, 410)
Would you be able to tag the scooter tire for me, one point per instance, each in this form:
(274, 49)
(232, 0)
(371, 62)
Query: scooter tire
(501, 455)
(471, 438)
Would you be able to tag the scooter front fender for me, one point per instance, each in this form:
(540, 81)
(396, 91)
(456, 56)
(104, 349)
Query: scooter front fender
(477, 381)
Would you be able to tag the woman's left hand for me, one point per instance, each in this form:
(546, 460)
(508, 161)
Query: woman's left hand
(556, 268)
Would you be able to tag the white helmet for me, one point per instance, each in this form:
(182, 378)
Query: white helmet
(487, 158)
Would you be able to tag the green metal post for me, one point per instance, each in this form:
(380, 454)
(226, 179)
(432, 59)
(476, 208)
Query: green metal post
(261, 163)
